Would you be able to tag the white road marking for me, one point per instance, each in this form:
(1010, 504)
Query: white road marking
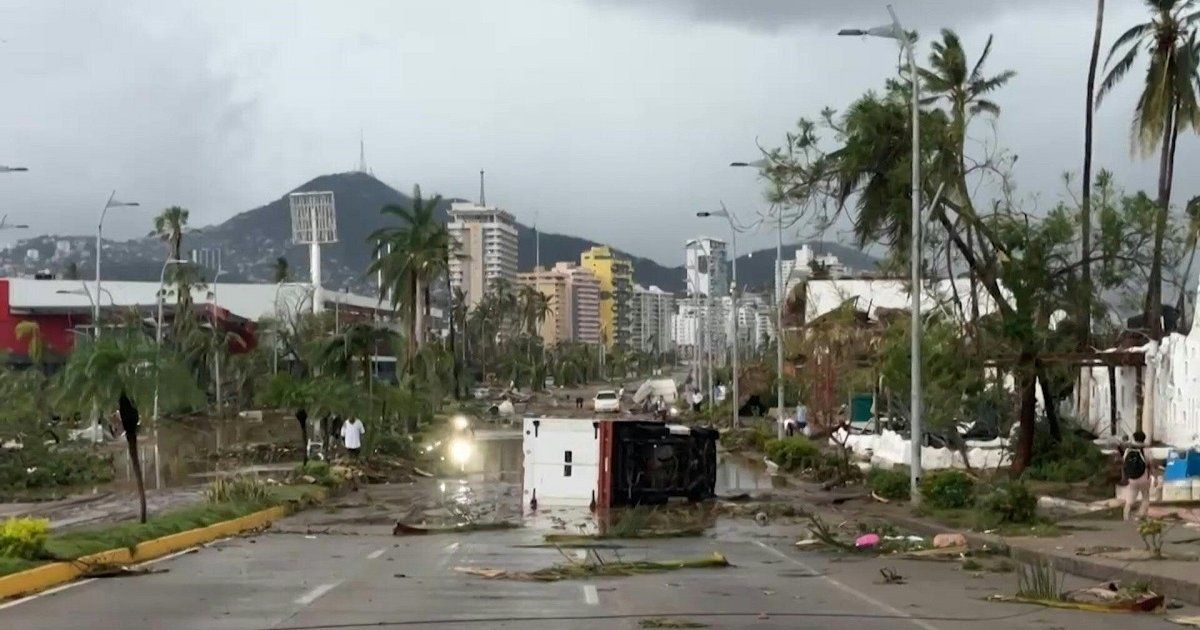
(70, 585)
(590, 596)
(452, 547)
(848, 589)
(316, 593)
(376, 553)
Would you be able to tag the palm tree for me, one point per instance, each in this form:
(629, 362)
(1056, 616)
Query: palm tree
(169, 227)
(964, 94)
(408, 257)
(1167, 105)
(124, 369)
(1085, 214)
(281, 271)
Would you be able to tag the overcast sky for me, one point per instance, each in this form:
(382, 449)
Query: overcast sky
(610, 119)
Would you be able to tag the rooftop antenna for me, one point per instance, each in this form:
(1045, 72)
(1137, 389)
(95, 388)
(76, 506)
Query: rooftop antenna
(482, 199)
(537, 244)
(362, 153)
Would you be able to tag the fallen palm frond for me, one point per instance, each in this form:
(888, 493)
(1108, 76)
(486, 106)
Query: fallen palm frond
(404, 529)
(597, 569)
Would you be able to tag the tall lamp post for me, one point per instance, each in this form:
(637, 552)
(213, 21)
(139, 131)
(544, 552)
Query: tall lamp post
(780, 296)
(734, 228)
(111, 203)
(896, 31)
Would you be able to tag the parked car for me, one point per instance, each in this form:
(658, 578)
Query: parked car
(606, 401)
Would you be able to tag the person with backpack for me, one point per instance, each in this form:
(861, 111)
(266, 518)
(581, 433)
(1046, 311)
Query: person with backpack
(1135, 472)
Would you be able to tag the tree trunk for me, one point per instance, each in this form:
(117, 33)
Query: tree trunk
(1153, 307)
(1084, 340)
(1051, 403)
(1027, 417)
(135, 461)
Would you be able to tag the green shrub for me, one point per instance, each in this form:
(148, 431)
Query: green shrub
(793, 453)
(237, 490)
(948, 489)
(36, 466)
(319, 471)
(1072, 459)
(889, 484)
(24, 537)
(1010, 502)
(751, 438)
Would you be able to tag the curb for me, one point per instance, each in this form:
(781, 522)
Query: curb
(49, 575)
(1174, 588)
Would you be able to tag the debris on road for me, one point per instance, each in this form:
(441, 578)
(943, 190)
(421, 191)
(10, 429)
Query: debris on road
(1106, 597)
(598, 568)
(669, 622)
(942, 541)
(112, 571)
(891, 577)
(867, 541)
(404, 529)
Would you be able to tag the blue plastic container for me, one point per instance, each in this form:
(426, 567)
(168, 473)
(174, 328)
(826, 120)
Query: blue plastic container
(1184, 467)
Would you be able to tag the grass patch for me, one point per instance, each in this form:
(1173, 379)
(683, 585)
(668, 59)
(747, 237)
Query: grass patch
(73, 544)
(12, 565)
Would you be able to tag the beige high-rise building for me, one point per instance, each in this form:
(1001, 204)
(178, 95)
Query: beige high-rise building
(574, 295)
(486, 248)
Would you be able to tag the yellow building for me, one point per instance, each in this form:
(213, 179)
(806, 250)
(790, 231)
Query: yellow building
(615, 275)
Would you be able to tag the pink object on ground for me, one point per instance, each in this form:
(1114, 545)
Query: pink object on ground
(867, 541)
(942, 541)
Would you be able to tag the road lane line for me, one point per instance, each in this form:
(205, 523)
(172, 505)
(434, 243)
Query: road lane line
(848, 589)
(70, 585)
(590, 596)
(316, 593)
(376, 553)
(452, 547)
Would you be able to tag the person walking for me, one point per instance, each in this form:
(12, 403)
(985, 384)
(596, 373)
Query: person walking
(1135, 472)
(352, 431)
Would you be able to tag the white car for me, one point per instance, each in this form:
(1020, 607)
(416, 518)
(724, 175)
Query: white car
(606, 401)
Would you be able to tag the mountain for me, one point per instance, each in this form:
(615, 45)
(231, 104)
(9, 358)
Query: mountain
(252, 240)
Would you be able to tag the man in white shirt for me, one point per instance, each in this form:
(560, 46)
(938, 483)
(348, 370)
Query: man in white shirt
(352, 432)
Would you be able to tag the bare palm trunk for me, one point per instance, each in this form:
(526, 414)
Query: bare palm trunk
(1085, 214)
(1153, 307)
(135, 461)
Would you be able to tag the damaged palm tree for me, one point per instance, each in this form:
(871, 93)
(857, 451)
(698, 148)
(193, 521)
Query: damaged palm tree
(128, 369)
(129, 423)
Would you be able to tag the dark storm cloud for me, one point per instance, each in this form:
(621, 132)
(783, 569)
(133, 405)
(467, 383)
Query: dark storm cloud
(773, 15)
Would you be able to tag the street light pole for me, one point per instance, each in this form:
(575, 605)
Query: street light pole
(733, 288)
(916, 434)
(780, 295)
(111, 203)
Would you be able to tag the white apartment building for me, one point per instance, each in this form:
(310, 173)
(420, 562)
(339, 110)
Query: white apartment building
(695, 315)
(789, 273)
(706, 267)
(486, 248)
(651, 311)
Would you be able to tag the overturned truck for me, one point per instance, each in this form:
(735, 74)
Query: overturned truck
(609, 463)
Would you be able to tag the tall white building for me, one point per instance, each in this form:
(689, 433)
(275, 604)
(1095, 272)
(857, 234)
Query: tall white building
(651, 312)
(706, 266)
(789, 273)
(694, 316)
(486, 248)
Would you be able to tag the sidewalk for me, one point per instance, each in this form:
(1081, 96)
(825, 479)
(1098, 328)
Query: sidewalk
(1089, 551)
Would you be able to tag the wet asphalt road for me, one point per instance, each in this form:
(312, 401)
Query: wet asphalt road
(342, 568)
